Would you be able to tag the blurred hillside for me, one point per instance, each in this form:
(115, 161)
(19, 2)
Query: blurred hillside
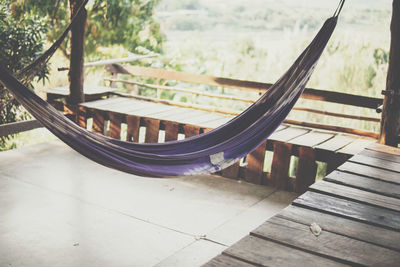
(259, 39)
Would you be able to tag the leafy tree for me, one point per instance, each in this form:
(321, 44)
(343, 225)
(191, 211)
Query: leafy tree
(21, 42)
(129, 23)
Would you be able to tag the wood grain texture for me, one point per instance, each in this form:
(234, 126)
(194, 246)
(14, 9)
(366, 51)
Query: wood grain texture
(376, 162)
(336, 143)
(306, 169)
(384, 149)
(77, 43)
(372, 172)
(333, 128)
(309, 93)
(334, 246)
(105, 104)
(191, 130)
(350, 209)
(280, 165)
(263, 252)
(255, 165)
(312, 138)
(81, 117)
(98, 122)
(357, 195)
(288, 134)
(171, 131)
(133, 127)
(152, 130)
(390, 123)
(364, 183)
(380, 155)
(232, 171)
(18, 127)
(226, 261)
(115, 125)
(356, 146)
(346, 227)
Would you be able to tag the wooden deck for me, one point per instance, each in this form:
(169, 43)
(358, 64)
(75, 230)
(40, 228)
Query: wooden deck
(352, 217)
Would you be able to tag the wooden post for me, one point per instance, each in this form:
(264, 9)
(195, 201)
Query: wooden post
(390, 123)
(75, 74)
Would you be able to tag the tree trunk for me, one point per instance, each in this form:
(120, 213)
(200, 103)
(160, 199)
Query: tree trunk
(76, 72)
(390, 123)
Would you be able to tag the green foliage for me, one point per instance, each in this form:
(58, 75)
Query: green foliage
(21, 42)
(381, 56)
(113, 22)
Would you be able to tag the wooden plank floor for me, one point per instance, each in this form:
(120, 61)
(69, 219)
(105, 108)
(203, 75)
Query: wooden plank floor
(301, 136)
(352, 217)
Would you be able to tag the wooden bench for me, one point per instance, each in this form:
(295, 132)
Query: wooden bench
(125, 118)
(291, 159)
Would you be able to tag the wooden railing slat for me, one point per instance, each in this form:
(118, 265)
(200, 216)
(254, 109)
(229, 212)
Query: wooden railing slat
(115, 125)
(280, 165)
(98, 122)
(152, 130)
(18, 127)
(81, 117)
(186, 77)
(171, 131)
(232, 171)
(191, 130)
(133, 125)
(306, 169)
(255, 164)
(309, 93)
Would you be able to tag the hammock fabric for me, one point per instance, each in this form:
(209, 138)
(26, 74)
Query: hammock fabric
(206, 153)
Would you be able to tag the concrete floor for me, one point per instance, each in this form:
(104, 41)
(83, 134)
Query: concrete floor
(58, 208)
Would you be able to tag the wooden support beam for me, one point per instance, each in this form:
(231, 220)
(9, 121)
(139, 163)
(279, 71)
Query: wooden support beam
(133, 123)
(306, 170)
(191, 130)
(152, 130)
(255, 165)
(280, 165)
(115, 125)
(81, 119)
(75, 74)
(390, 123)
(98, 122)
(171, 131)
(18, 127)
(232, 171)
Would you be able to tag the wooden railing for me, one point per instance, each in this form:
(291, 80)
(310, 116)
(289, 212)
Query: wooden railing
(309, 93)
(22, 126)
(18, 127)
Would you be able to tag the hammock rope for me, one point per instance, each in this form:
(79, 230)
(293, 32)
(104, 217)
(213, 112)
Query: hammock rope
(28, 73)
(206, 153)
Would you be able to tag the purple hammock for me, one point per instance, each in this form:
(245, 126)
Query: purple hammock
(205, 153)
